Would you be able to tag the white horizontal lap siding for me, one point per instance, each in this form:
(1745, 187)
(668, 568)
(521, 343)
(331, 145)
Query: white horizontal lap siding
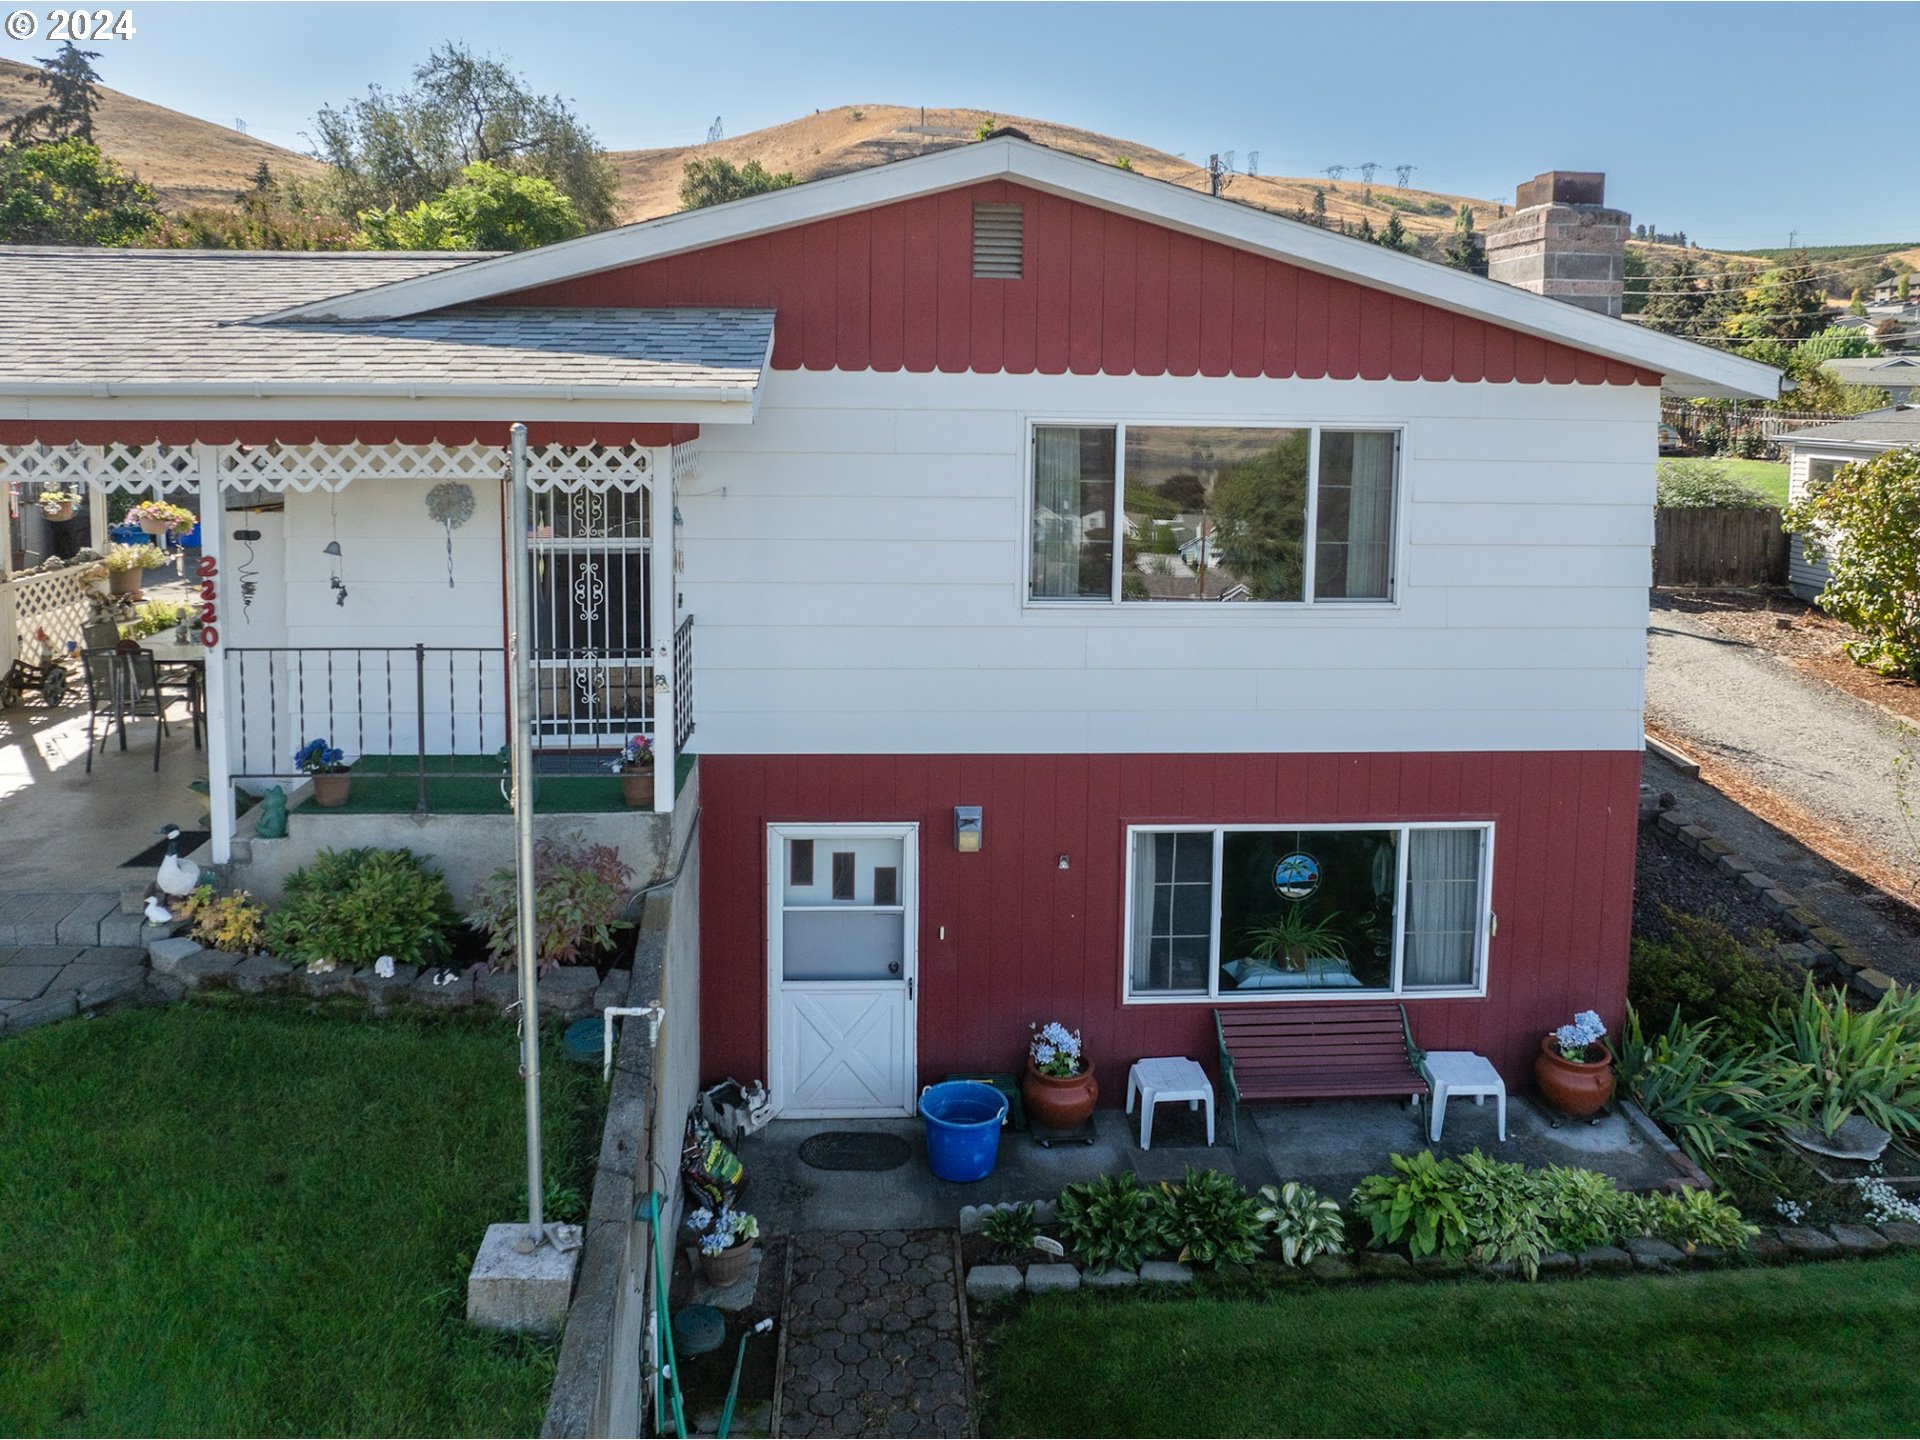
(1807, 578)
(857, 558)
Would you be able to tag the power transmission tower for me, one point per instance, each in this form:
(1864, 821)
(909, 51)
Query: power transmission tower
(715, 132)
(1253, 162)
(1403, 172)
(1366, 170)
(1226, 161)
(241, 126)
(1334, 172)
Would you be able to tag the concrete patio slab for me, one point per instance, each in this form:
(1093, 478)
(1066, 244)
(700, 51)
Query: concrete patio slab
(1330, 1145)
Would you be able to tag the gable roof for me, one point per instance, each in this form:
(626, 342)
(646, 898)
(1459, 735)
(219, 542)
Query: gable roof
(94, 325)
(1688, 368)
(1887, 429)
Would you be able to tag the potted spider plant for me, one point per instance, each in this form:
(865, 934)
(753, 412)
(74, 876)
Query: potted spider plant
(1295, 936)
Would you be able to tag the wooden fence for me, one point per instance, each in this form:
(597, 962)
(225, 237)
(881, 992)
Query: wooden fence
(1700, 546)
(1721, 429)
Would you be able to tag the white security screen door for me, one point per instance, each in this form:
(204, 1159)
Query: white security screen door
(592, 555)
(843, 914)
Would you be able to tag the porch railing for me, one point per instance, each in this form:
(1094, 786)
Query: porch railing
(432, 715)
(682, 685)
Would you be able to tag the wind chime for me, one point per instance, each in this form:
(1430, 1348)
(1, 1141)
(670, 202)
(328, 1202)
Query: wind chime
(338, 585)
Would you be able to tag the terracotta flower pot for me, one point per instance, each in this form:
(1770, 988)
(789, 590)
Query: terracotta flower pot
(123, 582)
(1574, 1087)
(155, 528)
(57, 512)
(636, 788)
(330, 791)
(1059, 1102)
(729, 1267)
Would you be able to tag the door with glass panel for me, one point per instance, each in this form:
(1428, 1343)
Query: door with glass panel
(843, 914)
(591, 555)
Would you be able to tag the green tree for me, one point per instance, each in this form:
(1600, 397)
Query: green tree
(1394, 236)
(715, 181)
(1785, 303)
(1905, 281)
(73, 94)
(397, 151)
(1836, 342)
(1673, 305)
(1319, 204)
(1865, 523)
(1260, 520)
(68, 193)
(488, 208)
(1857, 305)
(1462, 250)
(1634, 270)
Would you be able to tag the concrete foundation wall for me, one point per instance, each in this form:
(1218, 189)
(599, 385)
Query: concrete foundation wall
(604, 1377)
(467, 848)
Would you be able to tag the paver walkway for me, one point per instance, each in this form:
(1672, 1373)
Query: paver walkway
(42, 983)
(874, 1344)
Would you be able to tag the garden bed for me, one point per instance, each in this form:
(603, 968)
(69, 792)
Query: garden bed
(260, 1222)
(1669, 876)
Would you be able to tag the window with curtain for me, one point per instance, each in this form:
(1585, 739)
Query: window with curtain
(1073, 490)
(1197, 513)
(1268, 912)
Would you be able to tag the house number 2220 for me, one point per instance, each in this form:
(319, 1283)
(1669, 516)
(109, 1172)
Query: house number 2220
(209, 601)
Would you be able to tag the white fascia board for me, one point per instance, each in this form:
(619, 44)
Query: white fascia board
(1690, 369)
(1812, 443)
(101, 403)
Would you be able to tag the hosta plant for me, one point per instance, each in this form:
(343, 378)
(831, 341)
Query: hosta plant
(1113, 1222)
(1581, 1209)
(1012, 1230)
(1211, 1219)
(1418, 1205)
(1691, 1219)
(1306, 1223)
(1501, 1210)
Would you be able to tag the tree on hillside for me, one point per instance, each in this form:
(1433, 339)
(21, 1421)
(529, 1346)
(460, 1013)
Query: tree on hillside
(73, 94)
(1394, 236)
(68, 193)
(1319, 205)
(1785, 303)
(1857, 305)
(398, 151)
(1462, 250)
(1633, 269)
(1673, 306)
(487, 209)
(715, 181)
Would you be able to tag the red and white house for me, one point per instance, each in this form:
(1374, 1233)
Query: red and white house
(1092, 579)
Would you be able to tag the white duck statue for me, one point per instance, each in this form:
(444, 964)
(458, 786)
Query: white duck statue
(178, 875)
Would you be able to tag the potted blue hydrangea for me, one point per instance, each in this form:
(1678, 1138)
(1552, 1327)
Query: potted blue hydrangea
(1059, 1089)
(725, 1237)
(1575, 1067)
(322, 760)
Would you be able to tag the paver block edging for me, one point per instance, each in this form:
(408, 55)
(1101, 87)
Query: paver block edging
(1165, 1272)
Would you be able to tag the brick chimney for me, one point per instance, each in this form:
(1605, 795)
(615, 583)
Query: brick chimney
(1563, 241)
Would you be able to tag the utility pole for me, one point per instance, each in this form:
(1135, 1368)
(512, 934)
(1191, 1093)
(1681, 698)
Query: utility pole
(1213, 174)
(521, 664)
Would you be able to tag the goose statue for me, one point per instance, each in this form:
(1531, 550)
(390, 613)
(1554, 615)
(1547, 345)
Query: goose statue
(178, 875)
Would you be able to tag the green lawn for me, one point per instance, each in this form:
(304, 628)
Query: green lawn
(249, 1220)
(1821, 1350)
(1766, 475)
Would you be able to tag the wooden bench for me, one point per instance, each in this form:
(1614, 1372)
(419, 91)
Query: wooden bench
(1316, 1052)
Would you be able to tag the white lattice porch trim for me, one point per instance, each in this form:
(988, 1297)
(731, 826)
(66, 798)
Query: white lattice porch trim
(301, 468)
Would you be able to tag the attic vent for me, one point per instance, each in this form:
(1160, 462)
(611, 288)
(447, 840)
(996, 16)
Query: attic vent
(999, 239)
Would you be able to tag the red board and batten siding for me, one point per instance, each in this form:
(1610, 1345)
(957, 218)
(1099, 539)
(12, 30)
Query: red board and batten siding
(1027, 941)
(892, 288)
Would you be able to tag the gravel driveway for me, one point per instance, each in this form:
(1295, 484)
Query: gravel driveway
(1818, 749)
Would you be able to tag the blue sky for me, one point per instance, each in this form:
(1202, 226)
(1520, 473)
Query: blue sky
(1689, 109)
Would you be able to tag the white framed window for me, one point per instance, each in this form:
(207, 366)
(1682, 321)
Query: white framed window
(1295, 912)
(1161, 513)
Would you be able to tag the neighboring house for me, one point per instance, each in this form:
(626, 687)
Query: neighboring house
(1898, 375)
(1815, 454)
(953, 777)
(1887, 292)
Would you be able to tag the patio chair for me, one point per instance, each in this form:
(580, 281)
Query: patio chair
(101, 634)
(123, 683)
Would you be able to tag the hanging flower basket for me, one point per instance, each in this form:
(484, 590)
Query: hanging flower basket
(58, 505)
(157, 517)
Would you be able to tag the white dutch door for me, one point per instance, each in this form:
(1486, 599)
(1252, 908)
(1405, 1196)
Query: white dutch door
(843, 914)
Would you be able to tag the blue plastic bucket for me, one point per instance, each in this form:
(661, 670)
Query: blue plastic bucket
(963, 1128)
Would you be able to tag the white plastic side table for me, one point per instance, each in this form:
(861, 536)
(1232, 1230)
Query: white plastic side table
(1168, 1077)
(1462, 1073)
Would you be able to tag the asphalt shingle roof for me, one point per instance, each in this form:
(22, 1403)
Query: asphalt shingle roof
(127, 319)
(1890, 428)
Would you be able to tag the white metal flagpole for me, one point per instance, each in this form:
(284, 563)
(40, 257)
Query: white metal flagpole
(520, 664)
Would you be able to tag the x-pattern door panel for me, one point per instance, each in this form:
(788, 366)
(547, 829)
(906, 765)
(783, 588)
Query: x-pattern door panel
(845, 1049)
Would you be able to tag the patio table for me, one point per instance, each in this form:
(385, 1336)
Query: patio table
(1461, 1072)
(1167, 1077)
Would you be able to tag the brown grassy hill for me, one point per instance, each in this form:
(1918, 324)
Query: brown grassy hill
(832, 142)
(187, 161)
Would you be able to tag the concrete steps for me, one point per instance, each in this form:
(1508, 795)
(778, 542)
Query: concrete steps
(85, 918)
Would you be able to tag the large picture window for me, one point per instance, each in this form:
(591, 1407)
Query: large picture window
(1269, 912)
(1157, 513)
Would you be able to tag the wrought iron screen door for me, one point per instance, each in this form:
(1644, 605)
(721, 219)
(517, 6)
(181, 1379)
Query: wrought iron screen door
(592, 558)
